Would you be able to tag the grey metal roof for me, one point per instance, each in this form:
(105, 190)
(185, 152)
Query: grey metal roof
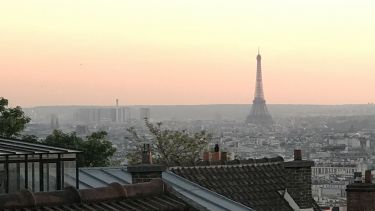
(18, 147)
(94, 177)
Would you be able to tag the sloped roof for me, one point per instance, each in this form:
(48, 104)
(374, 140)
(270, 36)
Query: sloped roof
(152, 195)
(95, 177)
(256, 183)
(18, 147)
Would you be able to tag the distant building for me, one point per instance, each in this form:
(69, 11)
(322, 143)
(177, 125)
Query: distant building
(259, 113)
(144, 113)
(338, 169)
(54, 122)
(123, 114)
(82, 130)
(106, 114)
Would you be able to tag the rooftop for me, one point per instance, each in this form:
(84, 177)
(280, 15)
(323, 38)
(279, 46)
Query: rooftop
(153, 195)
(18, 147)
(256, 183)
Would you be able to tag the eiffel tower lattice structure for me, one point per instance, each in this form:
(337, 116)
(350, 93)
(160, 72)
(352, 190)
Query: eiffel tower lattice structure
(259, 114)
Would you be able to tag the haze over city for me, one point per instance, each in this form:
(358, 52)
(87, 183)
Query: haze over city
(186, 52)
(187, 105)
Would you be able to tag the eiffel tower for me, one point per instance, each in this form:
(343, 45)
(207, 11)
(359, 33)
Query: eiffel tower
(259, 113)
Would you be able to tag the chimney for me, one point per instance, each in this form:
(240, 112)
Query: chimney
(216, 148)
(297, 154)
(146, 154)
(299, 180)
(146, 171)
(361, 196)
(223, 157)
(216, 155)
(368, 177)
(206, 156)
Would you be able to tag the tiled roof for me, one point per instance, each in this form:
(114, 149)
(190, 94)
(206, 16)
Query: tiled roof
(256, 183)
(162, 202)
(143, 196)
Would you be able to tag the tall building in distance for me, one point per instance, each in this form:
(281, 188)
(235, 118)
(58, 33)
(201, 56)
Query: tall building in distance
(54, 122)
(259, 114)
(144, 113)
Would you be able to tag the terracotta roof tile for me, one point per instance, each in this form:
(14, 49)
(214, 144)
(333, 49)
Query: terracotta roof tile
(143, 196)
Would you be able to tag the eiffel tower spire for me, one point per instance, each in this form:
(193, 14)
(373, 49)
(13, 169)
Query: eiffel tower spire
(259, 113)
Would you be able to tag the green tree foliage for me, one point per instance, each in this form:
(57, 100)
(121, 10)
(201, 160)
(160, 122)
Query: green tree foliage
(64, 140)
(31, 139)
(96, 151)
(12, 120)
(170, 147)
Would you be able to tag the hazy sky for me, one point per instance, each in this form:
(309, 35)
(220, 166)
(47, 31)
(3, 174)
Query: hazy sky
(90, 52)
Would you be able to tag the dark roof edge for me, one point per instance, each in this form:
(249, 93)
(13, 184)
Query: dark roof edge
(299, 164)
(43, 146)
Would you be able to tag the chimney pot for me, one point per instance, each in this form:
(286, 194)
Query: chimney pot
(357, 177)
(368, 176)
(223, 156)
(146, 154)
(297, 154)
(217, 148)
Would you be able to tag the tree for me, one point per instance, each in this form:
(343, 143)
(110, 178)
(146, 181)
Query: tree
(64, 140)
(170, 147)
(95, 150)
(31, 139)
(12, 120)
(134, 156)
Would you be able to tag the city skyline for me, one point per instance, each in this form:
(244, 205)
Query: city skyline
(186, 52)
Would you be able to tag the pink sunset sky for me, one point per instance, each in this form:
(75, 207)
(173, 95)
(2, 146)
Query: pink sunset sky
(90, 52)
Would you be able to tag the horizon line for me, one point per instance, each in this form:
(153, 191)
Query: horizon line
(223, 104)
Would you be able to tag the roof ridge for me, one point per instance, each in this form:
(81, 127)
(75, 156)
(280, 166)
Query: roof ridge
(234, 163)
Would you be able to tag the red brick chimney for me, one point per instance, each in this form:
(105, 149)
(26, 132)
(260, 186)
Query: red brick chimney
(361, 196)
(299, 180)
(216, 155)
(206, 156)
(146, 171)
